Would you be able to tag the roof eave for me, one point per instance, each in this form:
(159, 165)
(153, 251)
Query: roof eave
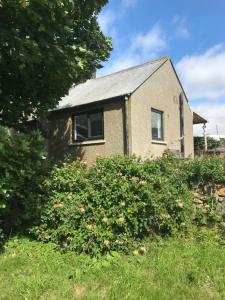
(89, 103)
(197, 119)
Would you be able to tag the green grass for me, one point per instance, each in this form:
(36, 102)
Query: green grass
(172, 269)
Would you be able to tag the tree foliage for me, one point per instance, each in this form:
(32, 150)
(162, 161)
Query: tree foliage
(212, 143)
(22, 169)
(45, 48)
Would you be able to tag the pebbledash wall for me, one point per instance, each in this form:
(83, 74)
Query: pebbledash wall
(161, 91)
(60, 142)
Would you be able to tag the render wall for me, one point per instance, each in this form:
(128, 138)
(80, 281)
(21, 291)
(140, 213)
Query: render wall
(60, 142)
(161, 92)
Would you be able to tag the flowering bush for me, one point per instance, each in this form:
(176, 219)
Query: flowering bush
(114, 204)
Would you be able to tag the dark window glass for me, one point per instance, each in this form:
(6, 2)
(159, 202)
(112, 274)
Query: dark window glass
(157, 124)
(96, 124)
(88, 126)
(81, 127)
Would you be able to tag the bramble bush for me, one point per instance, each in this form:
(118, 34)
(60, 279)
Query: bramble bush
(22, 169)
(113, 205)
(204, 173)
(204, 177)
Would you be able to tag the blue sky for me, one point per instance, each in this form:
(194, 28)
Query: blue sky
(191, 32)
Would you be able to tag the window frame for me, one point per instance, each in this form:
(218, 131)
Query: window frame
(87, 113)
(162, 124)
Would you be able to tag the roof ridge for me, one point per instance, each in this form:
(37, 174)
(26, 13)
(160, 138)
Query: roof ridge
(111, 85)
(134, 67)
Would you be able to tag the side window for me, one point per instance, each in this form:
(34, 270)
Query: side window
(157, 125)
(96, 125)
(80, 127)
(88, 126)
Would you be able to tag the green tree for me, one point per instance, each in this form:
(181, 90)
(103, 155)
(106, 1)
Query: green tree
(22, 170)
(45, 48)
(199, 143)
(222, 142)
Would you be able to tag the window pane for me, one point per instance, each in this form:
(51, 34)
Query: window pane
(81, 127)
(157, 130)
(96, 124)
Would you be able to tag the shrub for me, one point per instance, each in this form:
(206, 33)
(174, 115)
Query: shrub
(2, 238)
(205, 212)
(204, 177)
(199, 143)
(201, 173)
(22, 167)
(114, 204)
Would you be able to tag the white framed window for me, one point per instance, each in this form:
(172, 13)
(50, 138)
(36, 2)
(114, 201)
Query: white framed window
(88, 126)
(157, 125)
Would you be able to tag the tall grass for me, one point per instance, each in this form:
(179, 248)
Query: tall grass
(171, 269)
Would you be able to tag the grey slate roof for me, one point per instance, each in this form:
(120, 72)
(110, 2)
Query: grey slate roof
(110, 86)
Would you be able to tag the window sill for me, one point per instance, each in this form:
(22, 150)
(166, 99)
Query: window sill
(84, 143)
(159, 142)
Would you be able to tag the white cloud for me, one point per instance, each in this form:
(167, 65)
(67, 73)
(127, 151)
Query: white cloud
(108, 17)
(181, 27)
(152, 41)
(215, 115)
(203, 76)
(129, 3)
(106, 21)
(142, 47)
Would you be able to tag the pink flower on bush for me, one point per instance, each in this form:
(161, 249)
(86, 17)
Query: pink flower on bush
(106, 243)
(82, 210)
(135, 179)
(58, 205)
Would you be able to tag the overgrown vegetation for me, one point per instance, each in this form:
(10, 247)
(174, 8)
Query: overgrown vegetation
(111, 206)
(120, 201)
(161, 213)
(22, 170)
(212, 143)
(172, 269)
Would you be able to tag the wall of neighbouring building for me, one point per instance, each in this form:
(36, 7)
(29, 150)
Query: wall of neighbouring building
(161, 92)
(60, 133)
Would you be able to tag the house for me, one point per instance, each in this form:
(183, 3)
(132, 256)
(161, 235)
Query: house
(142, 110)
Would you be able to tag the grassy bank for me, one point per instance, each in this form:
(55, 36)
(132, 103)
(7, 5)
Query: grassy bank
(172, 269)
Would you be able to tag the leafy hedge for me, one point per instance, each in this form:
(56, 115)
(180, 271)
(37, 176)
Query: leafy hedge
(206, 172)
(22, 167)
(113, 205)
(204, 177)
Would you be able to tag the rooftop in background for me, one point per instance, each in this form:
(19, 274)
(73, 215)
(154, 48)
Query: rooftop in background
(197, 119)
(110, 86)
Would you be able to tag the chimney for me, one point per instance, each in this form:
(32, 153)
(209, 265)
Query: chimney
(93, 76)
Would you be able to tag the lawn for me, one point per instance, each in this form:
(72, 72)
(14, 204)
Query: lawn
(172, 269)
